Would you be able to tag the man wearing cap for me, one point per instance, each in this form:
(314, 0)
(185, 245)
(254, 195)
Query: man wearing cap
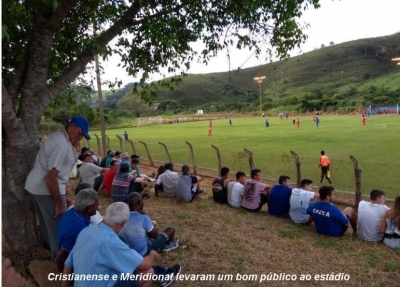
(46, 182)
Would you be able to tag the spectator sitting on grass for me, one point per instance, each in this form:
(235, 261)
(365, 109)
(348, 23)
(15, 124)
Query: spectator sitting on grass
(390, 226)
(329, 219)
(220, 186)
(370, 216)
(121, 183)
(187, 186)
(235, 189)
(109, 177)
(140, 234)
(299, 202)
(279, 197)
(167, 181)
(135, 167)
(255, 193)
(94, 219)
(73, 221)
(99, 250)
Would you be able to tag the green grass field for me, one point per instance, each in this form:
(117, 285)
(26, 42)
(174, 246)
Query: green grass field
(375, 146)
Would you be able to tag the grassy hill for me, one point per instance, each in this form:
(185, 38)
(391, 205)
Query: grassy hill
(354, 65)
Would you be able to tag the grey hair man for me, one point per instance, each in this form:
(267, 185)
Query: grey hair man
(73, 221)
(46, 182)
(102, 241)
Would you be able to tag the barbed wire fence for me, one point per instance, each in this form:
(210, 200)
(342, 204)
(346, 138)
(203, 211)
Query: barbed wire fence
(348, 175)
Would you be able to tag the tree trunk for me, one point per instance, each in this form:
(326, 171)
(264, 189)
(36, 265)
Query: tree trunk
(19, 220)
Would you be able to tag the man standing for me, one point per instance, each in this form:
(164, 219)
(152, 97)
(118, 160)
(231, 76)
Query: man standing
(298, 124)
(125, 135)
(279, 197)
(46, 183)
(266, 124)
(255, 193)
(364, 120)
(328, 219)
(370, 216)
(324, 164)
(317, 121)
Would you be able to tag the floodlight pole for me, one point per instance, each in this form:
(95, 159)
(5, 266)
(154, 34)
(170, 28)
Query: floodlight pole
(259, 80)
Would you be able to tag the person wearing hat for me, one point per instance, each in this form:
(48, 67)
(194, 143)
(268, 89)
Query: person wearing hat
(46, 182)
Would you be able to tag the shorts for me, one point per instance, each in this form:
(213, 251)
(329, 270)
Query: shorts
(345, 227)
(156, 244)
(263, 200)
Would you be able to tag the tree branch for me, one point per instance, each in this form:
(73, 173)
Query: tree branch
(11, 123)
(59, 16)
(87, 55)
(16, 84)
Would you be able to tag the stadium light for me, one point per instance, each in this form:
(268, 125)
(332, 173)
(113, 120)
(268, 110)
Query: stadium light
(396, 60)
(259, 80)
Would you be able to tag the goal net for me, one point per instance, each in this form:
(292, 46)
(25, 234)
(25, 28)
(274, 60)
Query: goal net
(148, 121)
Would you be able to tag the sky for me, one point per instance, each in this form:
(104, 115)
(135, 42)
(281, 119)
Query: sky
(337, 21)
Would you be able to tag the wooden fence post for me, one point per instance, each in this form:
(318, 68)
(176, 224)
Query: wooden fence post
(357, 173)
(120, 143)
(251, 161)
(148, 153)
(298, 170)
(219, 158)
(108, 142)
(98, 145)
(166, 150)
(192, 156)
(133, 147)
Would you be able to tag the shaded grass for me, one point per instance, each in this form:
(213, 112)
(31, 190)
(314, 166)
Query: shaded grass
(216, 239)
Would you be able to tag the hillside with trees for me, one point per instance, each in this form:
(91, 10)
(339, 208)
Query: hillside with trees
(351, 74)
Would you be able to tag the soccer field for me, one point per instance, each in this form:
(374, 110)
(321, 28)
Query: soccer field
(376, 146)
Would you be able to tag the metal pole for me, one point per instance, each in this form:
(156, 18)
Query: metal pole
(259, 83)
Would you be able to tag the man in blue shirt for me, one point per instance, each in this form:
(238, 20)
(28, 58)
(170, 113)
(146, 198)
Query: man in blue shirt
(139, 232)
(329, 219)
(72, 223)
(279, 197)
(100, 258)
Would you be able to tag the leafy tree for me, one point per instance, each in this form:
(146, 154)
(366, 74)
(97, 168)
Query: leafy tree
(49, 43)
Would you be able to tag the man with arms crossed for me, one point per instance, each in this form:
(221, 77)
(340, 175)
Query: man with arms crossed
(370, 216)
(46, 183)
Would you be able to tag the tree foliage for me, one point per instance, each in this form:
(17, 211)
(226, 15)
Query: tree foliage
(48, 44)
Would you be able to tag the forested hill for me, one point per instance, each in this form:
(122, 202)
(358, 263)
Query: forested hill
(353, 70)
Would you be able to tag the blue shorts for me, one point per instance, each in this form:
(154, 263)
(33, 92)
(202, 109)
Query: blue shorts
(156, 244)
